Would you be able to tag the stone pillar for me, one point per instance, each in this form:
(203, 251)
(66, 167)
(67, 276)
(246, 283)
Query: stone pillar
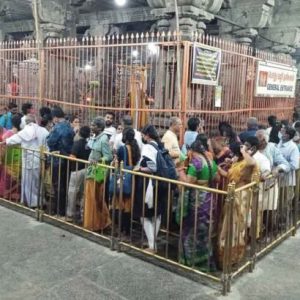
(283, 34)
(251, 16)
(58, 18)
(192, 14)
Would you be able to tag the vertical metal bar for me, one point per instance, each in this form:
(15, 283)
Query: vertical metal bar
(195, 225)
(180, 242)
(114, 200)
(121, 198)
(168, 221)
(185, 80)
(228, 237)
(297, 196)
(58, 200)
(155, 215)
(143, 210)
(254, 220)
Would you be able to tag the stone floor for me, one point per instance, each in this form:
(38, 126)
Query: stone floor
(39, 261)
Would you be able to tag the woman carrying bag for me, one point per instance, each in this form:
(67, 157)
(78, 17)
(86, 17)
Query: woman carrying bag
(130, 155)
(96, 213)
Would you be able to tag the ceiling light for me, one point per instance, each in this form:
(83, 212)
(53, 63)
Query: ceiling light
(120, 2)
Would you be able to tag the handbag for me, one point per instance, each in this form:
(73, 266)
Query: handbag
(115, 179)
(97, 173)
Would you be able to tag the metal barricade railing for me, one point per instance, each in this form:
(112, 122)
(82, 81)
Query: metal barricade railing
(237, 231)
(297, 199)
(76, 192)
(203, 232)
(277, 210)
(176, 225)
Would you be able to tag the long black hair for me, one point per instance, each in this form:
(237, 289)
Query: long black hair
(236, 149)
(203, 139)
(46, 119)
(129, 139)
(226, 130)
(274, 134)
(198, 147)
(16, 121)
(151, 131)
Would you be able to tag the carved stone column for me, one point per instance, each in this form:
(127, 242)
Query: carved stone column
(58, 18)
(250, 15)
(192, 14)
(10, 11)
(283, 35)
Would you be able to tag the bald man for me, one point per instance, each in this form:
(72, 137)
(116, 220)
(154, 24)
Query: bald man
(170, 138)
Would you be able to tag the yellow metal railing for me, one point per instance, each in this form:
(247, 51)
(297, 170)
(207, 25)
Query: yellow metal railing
(211, 233)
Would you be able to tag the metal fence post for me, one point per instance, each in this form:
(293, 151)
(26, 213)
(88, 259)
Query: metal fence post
(114, 199)
(254, 220)
(184, 84)
(120, 199)
(296, 202)
(39, 209)
(227, 259)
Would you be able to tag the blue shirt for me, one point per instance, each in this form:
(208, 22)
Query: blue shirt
(3, 120)
(189, 139)
(8, 121)
(290, 152)
(245, 134)
(61, 138)
(276, 158)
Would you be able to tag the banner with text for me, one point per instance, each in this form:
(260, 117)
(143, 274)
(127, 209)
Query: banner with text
(275, 80)
(206, 65)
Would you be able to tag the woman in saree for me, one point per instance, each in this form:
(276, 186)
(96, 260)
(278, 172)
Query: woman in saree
(195, 209)
(96, 213)
(240, 173)
(222, 154)
(11, 165)
(130, 155)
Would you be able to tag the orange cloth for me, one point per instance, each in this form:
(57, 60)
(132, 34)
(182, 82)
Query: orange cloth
(96, 213)
(241, 174)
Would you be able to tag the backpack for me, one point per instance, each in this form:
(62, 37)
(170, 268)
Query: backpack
(165, 165)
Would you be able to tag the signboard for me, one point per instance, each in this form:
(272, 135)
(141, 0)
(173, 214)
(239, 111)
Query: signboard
(275, 80)
(206, 65)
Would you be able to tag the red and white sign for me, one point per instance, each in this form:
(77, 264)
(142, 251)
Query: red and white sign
(275, 80)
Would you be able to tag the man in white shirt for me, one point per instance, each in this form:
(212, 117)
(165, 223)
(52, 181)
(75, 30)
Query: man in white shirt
(287, 184)
(31, 137)
(117, 141)
(270, 194)
(264, 165)
(170, 138)
(290, 152)
(27, 109)
(110, 130)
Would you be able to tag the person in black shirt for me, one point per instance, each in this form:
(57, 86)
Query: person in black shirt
(80, 150)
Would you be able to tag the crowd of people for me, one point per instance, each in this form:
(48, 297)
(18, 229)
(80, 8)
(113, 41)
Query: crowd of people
(82, 193)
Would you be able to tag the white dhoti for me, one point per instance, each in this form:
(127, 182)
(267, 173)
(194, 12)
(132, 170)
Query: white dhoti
(268, 196)
(30, 187)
